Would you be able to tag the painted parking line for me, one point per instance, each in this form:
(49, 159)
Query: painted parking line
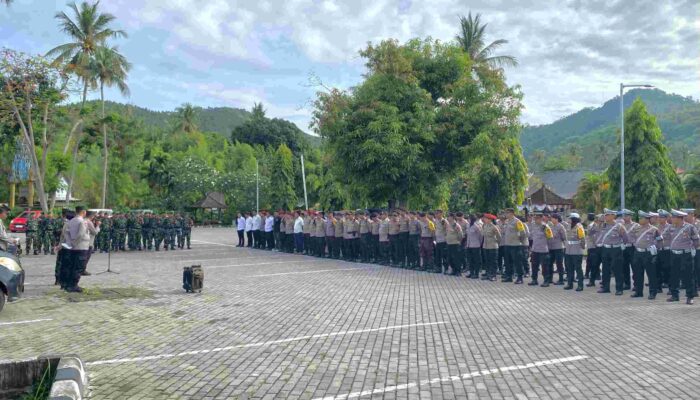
(215, 243)
(265, 263)
(25, 322)
(469, 375)
(260, 344)
(311, 272)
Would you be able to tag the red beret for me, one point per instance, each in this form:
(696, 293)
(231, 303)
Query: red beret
(490, 216)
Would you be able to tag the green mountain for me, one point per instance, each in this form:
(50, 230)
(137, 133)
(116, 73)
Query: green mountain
(589, 136)
(220, 120)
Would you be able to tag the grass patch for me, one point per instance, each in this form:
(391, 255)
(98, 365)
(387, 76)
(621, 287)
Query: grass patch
(41, 389)
(104, 293)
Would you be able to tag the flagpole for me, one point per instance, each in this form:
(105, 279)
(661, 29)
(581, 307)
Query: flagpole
(303, 179)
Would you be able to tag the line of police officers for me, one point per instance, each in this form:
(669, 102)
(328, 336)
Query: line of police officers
(661, 245)
(118, 232)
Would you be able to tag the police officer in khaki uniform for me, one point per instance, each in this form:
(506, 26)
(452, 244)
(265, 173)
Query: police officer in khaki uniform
(628, 252)
(403, 237)
(593, 258)
(612, 238)
(575, 247)
(440, 241)
(394, 227)
(646, 240)
(492, 239)
(412, 254)
(427, 244)
(684, 242)
(374, 232)
(691, 219)
(513, 230)
(365, 237)
(540, 233)
(453, 238)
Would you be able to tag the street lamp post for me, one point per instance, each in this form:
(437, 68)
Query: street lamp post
(622, 140)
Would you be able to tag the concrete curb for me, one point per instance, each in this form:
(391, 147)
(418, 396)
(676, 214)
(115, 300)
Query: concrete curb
(71, 381)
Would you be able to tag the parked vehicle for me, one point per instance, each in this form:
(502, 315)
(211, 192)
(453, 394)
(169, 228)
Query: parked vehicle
(11, 273)
(19, 223)
(106, 211)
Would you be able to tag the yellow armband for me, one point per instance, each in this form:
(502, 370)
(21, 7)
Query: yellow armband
(519, 226)
(548, 233)
(581, 233)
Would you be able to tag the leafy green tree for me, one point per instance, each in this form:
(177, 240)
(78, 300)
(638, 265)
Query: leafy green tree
(593, 192)
(109, 68)
(472, 38)
(691, 182)
(650, 179)
(89, 30)
(187, 118)
(261, 130)
(282, 179)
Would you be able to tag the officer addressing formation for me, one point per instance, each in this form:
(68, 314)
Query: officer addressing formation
(661, 245)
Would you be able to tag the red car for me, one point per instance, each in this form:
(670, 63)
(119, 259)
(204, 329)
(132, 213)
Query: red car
(19, 223)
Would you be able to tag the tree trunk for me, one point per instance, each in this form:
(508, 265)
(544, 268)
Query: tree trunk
(44, 142)
(106, 151)
(75, 148)
(28, 135)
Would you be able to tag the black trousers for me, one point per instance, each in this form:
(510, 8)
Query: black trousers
(524, 257)
(440, 256)
(612, 264)
(258, 241)
(663, 260)
(394, 243)
(77, 264)
(412, 255)
(474, 260)
(593, 261)
(490, 262)
(627, 256)
(513, 264)
(644, 262)
(556, 256)
(241, 239)
(501, 258)
(385, 252)
(403, 245)
(270, 240)
(453, 255)
(574, 266)
(539, 260)
(250, 238)
(681, 268)
(365, 246)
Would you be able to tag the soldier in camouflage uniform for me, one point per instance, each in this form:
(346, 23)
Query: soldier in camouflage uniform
(147, 232)
(56, 229)
(180, 231)
(32, 234)
(135, 233)
(107, 231)
(157, 231)
(119, 233)
(187, 231)
(45, 234)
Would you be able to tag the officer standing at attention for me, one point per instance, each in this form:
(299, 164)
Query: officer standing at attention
(394, 227)
(513, 230)
(440, 242)
(628, 252)
(384, 243)
(365, 237)
(663, 259)
(556, 244)
(691, 219)
(492, 238)
(427, 235)
(646, 240)
(593, 257)
(412, 254)
(338, 248)
(32, 234)
(453, 238)
(612, 238)
(684, 241)
(575, 246)
(473, 242)
(404, 220)
(540, 233)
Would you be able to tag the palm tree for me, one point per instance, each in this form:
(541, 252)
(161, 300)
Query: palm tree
(592, 192)
(109, 69)
(89, 30)
(691, 181)
(186, 118)
(471, 38)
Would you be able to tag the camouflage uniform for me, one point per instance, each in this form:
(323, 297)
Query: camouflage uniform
(180, 231)
(32, 234)
(147, 232)
(107, 231)
(119, 233)
(187, 231)
(45, 234)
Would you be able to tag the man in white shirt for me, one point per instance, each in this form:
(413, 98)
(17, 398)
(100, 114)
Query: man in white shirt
(269, 225)
(257, 237)
(79, 239)
(249, 229)
(299, 233)
(240, 228)
(93, 228)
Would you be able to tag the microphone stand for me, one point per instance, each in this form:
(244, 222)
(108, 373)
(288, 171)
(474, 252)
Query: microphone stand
(109, 255)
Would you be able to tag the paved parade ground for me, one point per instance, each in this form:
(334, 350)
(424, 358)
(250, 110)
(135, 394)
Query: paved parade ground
(270, 325)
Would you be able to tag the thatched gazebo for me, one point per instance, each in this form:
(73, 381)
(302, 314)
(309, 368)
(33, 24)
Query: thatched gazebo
(213, 201)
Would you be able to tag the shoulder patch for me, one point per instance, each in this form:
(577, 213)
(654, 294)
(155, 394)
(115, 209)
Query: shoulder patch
(581, 233)
(519, 226)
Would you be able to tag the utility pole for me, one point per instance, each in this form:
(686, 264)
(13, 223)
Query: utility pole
(257, 188)
(303, 179)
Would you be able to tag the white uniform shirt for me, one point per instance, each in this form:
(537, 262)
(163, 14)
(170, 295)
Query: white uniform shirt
(299, 225)
(256, 222)
(269, 223)
(249, 224)
(241, 223)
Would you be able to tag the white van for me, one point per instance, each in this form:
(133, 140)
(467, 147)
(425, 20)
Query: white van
(107, 211)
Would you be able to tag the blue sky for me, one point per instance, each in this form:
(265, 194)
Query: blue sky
(235, 53)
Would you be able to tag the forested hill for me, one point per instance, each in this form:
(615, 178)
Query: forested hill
(216, 119)
(593, 130)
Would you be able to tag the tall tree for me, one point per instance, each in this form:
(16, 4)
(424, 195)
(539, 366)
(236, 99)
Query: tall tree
(472, 38)
(187, 118)
(282, 179)
(89, 30)
(650, 179)
(31, 85)
(592, 192)
(691, 182)
(109, 69)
